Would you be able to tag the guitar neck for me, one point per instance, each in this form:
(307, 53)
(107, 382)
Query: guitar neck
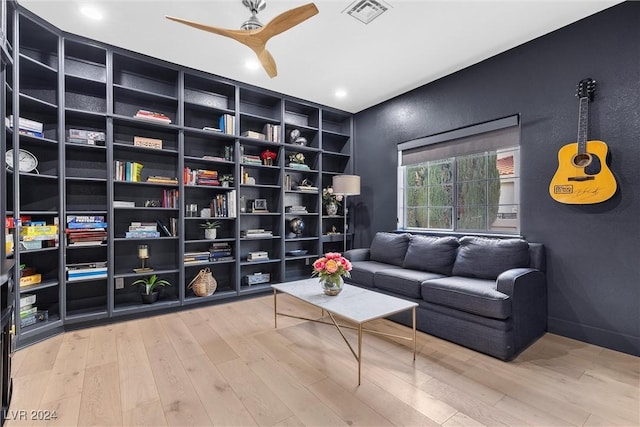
(583, 124)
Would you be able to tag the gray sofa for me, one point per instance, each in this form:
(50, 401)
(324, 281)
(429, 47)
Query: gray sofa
(488, 294)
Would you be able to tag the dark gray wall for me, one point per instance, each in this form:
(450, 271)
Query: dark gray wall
(593, 251)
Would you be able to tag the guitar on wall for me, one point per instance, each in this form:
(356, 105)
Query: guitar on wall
(583, 176)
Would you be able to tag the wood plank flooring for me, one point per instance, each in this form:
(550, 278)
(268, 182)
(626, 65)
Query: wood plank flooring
(226, 365)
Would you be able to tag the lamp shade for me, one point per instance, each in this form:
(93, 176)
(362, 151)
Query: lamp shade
(346, 185)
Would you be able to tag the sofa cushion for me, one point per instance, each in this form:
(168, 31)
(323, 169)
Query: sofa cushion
(362, 272)
(475, 296)
(402, 281)
(486, 258)
(389, 248)
(430, 253)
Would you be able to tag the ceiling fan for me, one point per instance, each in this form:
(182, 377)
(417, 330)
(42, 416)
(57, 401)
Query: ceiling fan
(255, 35)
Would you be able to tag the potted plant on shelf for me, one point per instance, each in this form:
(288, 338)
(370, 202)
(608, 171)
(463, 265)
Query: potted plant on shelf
(331, 201)
(150, 293)
(210, 229)
(226, 180)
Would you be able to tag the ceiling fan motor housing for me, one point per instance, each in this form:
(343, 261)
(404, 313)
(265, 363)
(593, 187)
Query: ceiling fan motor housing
(254, 6)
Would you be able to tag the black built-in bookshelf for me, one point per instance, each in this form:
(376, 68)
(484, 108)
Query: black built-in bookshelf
(69, 83)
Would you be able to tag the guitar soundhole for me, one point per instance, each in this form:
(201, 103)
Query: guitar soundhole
(582, 160)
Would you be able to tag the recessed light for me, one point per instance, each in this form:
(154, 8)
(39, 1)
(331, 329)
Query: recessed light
(91, 12)
(341, 93)
(252, 64)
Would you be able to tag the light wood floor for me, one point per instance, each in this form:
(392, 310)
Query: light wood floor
(227, 365)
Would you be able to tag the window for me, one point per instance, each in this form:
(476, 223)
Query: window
(465, 180)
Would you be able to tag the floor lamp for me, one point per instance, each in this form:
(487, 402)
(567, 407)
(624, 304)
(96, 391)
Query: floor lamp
(346, 185)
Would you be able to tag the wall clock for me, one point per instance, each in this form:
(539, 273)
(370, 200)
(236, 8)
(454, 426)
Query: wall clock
(27, 160)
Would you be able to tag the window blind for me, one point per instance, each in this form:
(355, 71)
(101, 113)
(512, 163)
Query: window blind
(488, 136)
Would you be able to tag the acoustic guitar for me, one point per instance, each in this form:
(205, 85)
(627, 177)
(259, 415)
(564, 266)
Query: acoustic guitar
(583, 176)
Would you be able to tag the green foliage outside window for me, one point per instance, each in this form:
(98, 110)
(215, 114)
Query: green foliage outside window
(431, 201)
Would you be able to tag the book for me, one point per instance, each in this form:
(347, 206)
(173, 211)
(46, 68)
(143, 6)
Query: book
(85, 218)
(27, 299)
(141, 141)
(164, 228)
(153, 116)
(86, 225)
(123, 204)
(253, 134)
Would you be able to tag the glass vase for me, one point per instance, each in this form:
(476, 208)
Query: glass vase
(332, 209)
(332, 285)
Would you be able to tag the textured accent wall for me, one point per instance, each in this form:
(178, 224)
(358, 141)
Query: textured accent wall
(593, 251)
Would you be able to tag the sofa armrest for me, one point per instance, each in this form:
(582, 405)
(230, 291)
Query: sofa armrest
(354, 255)
(509, 281)
(527, 289)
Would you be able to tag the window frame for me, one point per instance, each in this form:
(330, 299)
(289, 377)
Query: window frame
(461, 142)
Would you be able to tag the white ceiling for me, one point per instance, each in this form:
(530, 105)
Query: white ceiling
(413, 43)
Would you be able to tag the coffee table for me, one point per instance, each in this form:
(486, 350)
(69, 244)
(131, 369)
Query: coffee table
(354, 304)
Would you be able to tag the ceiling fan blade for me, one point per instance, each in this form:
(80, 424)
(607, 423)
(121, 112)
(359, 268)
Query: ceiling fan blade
(240, 35)
(268, 63)
(286, 20)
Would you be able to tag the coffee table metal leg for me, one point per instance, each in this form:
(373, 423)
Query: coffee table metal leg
(359, 352)
(275, 309)
(413, 317)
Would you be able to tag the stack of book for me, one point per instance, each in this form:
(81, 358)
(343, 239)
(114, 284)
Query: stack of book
(29, 313)
(142, 230)
(295, 209)
(170, 199)
(162, 179)
(306, 188)
(220, 251)
(128, 171)
(256, 233)
(88, 137)
(272, 132)
(196, 257)
(29, 276)
(227, 124)
(251, 159)
(38, 235)
(254, 135)
(207, 177)
(86, 230)
(153, 116)
(86, 271)
(300, 166)
(27, 127)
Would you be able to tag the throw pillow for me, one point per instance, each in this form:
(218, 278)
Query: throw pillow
(486, 258)
(389, 248)
(430, 253)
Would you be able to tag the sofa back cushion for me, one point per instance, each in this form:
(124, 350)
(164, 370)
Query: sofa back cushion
(389, 248)
(486, 258)
(430, 253)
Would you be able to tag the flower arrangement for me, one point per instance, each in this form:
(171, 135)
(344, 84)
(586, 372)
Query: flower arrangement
(329, 197)
(268, 154)
(296, 158)
(330, 269)
(268, 157)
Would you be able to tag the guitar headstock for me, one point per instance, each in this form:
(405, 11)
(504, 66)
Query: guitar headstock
(586, 88)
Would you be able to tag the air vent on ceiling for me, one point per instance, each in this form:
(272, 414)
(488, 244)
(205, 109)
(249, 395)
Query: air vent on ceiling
(366, 10)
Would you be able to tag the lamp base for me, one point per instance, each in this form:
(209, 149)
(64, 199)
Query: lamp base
(143, 270)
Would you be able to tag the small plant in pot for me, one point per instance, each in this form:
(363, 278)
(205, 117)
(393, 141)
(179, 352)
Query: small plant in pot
(210, 228)
(150, 293)
(226, 180)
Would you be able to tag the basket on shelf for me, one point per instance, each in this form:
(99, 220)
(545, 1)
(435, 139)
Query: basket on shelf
(204, 284)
